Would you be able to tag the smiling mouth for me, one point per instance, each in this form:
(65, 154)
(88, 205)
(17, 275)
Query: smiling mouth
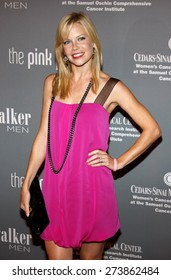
(77, 55)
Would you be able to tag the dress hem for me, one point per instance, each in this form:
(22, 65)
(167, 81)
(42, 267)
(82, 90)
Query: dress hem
(82, 242)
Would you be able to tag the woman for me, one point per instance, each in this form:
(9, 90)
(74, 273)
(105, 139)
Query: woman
(78, 190)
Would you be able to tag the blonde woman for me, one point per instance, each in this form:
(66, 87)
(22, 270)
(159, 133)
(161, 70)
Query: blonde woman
(78, 185)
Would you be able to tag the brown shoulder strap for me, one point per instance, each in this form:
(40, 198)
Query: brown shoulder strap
(106, 90)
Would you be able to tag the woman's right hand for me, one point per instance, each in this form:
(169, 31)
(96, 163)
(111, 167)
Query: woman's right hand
(25, 200)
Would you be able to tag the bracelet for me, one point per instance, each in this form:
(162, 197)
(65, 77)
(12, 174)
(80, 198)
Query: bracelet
(115, 164)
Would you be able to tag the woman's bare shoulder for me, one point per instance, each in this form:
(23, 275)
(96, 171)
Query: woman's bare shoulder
(49, 79)
(48, 86)
(104, 77)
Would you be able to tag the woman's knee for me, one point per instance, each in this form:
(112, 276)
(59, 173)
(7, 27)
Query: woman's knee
(92, 251)
(54, 252)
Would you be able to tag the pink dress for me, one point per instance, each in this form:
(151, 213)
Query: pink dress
(80, 200)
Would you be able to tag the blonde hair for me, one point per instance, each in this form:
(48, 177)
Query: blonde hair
(61, 83)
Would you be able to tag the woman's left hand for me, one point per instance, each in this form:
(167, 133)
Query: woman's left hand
(100, 158)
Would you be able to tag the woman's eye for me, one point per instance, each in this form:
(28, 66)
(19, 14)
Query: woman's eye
(81, 38)
(66, 42)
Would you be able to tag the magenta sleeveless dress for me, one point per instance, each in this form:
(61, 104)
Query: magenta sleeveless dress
(80, 200)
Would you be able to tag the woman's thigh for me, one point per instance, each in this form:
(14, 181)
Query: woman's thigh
(92, 251)
(55, 252)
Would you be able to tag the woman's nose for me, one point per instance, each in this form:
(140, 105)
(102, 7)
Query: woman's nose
(74, 45)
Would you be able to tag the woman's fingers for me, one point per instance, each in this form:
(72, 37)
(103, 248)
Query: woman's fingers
(99, 158)
(95, 157)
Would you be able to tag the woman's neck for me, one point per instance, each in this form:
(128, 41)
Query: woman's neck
(81, 74)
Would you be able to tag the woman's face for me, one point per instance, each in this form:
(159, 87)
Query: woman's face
(78, 46)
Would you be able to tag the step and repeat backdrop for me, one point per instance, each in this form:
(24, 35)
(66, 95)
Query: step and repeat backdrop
(136, 43)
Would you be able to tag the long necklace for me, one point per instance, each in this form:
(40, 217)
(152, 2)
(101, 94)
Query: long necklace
(71, 134)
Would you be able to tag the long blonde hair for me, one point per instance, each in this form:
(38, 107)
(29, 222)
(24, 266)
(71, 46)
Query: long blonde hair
(61, 83)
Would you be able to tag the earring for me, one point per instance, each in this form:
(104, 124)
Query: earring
(94, 50)
(65, 58)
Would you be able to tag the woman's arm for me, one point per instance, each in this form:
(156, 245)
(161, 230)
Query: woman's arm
(38, 150)
(124, 98)
(142, 117)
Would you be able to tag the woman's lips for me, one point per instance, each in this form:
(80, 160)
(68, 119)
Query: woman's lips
(77, 55)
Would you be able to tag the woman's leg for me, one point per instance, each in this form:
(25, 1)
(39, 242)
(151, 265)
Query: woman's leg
(92, 251)
(55, 252)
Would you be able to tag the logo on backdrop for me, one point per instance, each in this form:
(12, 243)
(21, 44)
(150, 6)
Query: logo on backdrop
(156, 199)
(169, 43)
(15, 122)
(15, 5)
(16, 241)
(124, 251)
(167, 179)
(16, 180)
(108, 6)
(32, 58)
(122, 128)
(153, 64)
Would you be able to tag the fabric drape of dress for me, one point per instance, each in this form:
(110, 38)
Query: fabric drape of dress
(81, 199)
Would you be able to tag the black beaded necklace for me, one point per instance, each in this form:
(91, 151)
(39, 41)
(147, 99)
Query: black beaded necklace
(71, 134)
